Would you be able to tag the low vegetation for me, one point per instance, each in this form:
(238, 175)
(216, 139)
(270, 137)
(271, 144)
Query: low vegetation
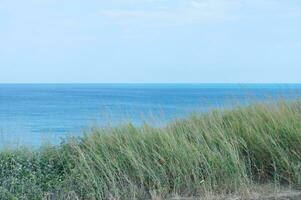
(222, 151)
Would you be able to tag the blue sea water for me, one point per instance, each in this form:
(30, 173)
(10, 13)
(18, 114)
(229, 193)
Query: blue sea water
(32, 114)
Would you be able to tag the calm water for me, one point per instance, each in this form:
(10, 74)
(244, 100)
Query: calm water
(31, 114)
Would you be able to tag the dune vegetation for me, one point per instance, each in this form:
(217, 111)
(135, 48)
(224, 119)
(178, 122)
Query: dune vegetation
(220, 152)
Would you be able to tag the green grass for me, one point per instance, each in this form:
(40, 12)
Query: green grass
(218, 152)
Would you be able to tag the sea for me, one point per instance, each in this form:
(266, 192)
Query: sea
(35, 114)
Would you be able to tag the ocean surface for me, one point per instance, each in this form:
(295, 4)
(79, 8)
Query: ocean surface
(32, 114)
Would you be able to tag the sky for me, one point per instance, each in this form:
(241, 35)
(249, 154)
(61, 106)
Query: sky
(150, 41)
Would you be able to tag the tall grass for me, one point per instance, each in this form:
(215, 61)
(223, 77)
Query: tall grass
(220, 152)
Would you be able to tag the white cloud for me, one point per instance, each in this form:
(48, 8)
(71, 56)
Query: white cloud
(181, 12)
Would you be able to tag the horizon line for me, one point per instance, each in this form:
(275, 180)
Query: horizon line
(150, 83)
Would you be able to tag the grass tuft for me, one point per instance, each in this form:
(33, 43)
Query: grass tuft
(219, 152)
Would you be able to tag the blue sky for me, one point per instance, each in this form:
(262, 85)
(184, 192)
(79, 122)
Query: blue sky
(132, 41)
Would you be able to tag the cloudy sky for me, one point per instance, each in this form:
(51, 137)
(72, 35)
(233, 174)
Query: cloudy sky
(130, 41)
